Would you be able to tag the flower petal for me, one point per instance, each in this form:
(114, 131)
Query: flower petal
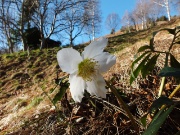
(105, 61)
(77, 86)
(95, 48)
(97, 86)
(68, 59)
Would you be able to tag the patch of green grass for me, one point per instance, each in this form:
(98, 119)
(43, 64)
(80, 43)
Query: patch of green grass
(36, 101)
(8, 57)
(122, 46)
(22, 54)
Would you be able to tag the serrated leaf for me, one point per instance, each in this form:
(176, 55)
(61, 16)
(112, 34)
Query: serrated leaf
(149, 66)
(135, 73)
(170, 71)
(143, 48)
(60, 94)
(174, 63)
(158, 120)
(159, 102)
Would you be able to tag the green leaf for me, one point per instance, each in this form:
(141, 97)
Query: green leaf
(135, 73)
(171, 31)
(174, 63)
(151, 44)
(159, 102)
(142, 48)
(143, 120)
(138, 59)
(149, 66)
(170, 71)
(62, 91)
(157, 121)
(154, 33)
(178, 133)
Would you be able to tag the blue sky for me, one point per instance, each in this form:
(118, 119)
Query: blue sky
(107, 7)
(114, 6)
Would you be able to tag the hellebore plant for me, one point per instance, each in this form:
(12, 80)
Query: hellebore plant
(85, 69)
(85, 72)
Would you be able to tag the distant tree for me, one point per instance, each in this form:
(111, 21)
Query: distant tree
(7, 28)
(165, 4)
(33, 37)
(48, 17)
(134, 19)
(92, 15)
(74, 20)
(141, 12)
(162, 18)
(112, 21)
(14, 18)
(126, 20)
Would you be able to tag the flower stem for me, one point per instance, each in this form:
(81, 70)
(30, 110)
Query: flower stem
(174, 91)
(113, 89)
(172, 94)
(162, 86)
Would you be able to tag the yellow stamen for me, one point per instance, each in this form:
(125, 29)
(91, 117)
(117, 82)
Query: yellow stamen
(86, 69)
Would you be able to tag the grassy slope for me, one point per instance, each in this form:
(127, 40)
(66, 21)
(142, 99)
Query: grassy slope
(24, 79)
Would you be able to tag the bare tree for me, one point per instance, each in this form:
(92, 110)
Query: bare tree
(14, 17)
(154, 11)
(165, 4)
(126, 20)
(93, 16)
(112, 21)
(141, 11)
(6, 17)
(74, 20)
(47, 17)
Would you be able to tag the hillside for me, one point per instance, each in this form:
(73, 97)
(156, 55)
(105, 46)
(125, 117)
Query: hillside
(27, 79)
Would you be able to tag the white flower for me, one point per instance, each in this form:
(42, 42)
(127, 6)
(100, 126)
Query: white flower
(85, 70)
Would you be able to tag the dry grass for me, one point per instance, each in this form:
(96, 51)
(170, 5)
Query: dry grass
(32, 115)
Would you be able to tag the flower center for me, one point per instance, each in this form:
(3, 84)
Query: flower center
(86, 69)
